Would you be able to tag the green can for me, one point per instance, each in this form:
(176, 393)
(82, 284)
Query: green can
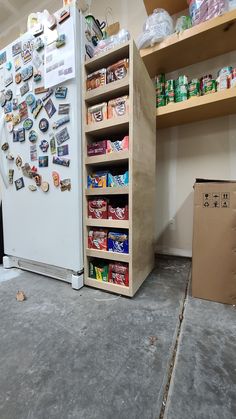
(161, 101)
(210, 86)
(170, 85)
(181, 93)
(194, 88)
(160, 89)
(182, 81)
(160, 78)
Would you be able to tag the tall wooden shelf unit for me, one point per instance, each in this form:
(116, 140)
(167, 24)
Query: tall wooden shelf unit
(140, 160)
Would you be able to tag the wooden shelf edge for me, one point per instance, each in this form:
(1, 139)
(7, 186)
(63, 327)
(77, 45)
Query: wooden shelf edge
(110, 88)
(120, 257)
(118, 156)
(107, 286)
(91, 222)
(101, 57)
(107, 191)
(108, 123)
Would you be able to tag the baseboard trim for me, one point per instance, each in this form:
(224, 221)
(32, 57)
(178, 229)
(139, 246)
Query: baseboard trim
(172, 251)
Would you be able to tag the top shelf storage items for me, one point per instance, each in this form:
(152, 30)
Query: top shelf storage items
(119, 171)
(206, 40)
(172, 6)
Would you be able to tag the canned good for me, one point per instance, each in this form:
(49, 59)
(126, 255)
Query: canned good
(181, 93)
(210, 86)
(194, 88)
(232, 78)
(160, 78)
(161, 101)
(225, 71)
(182, 80)
(223, 82)
(203, 81)
(160, 88)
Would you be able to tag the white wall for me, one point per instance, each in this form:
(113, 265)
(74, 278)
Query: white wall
(204, 149)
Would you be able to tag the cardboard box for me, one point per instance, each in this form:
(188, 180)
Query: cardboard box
(214, 241)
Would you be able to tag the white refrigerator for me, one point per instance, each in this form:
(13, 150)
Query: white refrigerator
(42, 224)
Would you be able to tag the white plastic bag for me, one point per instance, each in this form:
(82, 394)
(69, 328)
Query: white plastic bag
(157, 27)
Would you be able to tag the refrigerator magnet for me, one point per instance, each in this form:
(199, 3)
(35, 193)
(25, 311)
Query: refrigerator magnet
(10, 157)
(19, 161)
(5, 147)
(56, 179)
(26, 170)
(21, 135)
(62, 136)
(23, 110)
(2, 99)
(48, 94)
(65, 185)
(37, 76)
(19, 183)
(39, 44)
(43, 125)
(3, 57)
(15, 104)
(65, 14)
(33, 153)
(36, 108)
(8, 108)
(17, 63)
(15, 119)
(9, 66)
(61, 40)
(9, 95)
(37, 179)
(63, 150)
(50, 108)
(27, 124)
(32, 188)
(16, 48)
(40, 90)
(10, 176)
(61, 161)
(24, 89)
(61, 122)
(27, 73)
(44, 146)
(43, 161)
(26, 51)
(64, 109)
(33, 136)
(8, 80)
(30, 99)
(45, 186)
(10, 126)
(17, 78)
(53, 149)
(61, 92)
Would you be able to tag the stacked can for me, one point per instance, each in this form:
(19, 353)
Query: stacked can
(181, 89)
(223, 79)
(194, 88)
(160, 90)
(232, 78)
(208, 85)
(170, 91)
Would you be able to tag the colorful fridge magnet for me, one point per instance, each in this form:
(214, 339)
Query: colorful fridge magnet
(17, 63)
(61, 122)
(5, 147)
(15, 119)
(50, 108)
(2, 99)
(38, 105)
(15, 104)
(65, 14)
(9, 66)
(30, 99)
(62, 136)
(27, 124)
(63, 150)
(8, 95)
(15, 136)
(23, 110)
(50, 20)
(10, 157)
(44, 146)
(33, 153)
(33, 136)
(48, 94)
(19, 161)
(43, 125)
(39, 44)
(32, 188)
(24, 89)
(36, 60)
(27, 73)
(19, 183)
(26, 170)
(8, 80)
(43, 161)
(52, 144)
(40, 90)
(64, 109)
(26, 51)
(10, 176)
(61, 40)
(61, 161)
(8, 108)
(18, 78)
(45, 186)
(16, 48)
(38, 179)
(61, 92)
(21, 135)
(37, 76)
(56, 179)
(3, 57)
(65, 185)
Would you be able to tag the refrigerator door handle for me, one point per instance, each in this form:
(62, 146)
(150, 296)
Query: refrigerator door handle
(2, 138)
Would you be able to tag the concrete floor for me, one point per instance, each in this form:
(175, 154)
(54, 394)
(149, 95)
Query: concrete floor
(90, 355)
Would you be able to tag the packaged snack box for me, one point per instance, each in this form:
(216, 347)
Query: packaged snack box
(97, 113)
(97, 209)
(97, 239)
(119, 274)
(118, 107)
(117, 181)
(97, 148)
(116, 212)
(118, 71)
(97, 180)
(118, 242)
(98, 270)
(119, 145)
(96, 79)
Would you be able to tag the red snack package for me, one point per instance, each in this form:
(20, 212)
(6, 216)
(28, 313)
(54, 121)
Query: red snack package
(97, 208)
(97, 239)
(119, 274)
(116, 212)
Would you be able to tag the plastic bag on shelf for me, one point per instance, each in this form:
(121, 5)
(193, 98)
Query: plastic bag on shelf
(216, 8)
(157, 27)
(202, 10)
(112, 42)
(183, 23)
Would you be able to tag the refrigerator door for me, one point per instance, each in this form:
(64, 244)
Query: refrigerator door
(39, 226)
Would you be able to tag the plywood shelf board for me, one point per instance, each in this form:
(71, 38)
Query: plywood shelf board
(172, 6)
(195, 109)
(107, 92)
(108, 58)
(122, 257)
(105, 159)
(209, 39)
(106, 286)
(107, 223)
(115, 125)
(107, 191)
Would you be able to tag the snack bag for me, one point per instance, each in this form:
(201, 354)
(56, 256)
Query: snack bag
(118, 107)
(97, 113)
(97, 239)
(118, 71)
(118, 242)
(96, 79)
(97, 209)
(119, 274)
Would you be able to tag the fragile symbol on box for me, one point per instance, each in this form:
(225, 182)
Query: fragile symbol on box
(215, 200)
(225, 200)
(206, 200)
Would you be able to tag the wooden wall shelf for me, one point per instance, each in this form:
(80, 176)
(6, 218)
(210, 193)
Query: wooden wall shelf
(140, 160)
(198, 108)
(172, 6)
(207, 40)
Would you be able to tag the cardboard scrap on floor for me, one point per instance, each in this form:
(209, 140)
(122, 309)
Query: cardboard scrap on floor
(20, 296)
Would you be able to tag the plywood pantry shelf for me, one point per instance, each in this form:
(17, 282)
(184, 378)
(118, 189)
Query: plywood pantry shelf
(172, 6)
(198, 108)
(140, 161)
(209, 39)
(107, 223)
